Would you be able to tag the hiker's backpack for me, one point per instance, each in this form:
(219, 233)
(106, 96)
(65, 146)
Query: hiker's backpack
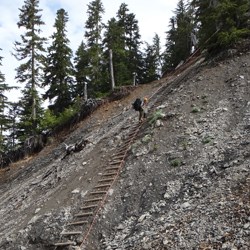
(137, 104)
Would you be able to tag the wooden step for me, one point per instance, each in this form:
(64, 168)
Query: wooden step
(133, 130)
(117, 154)
(67, 243)
(118, 157)
(98, 192)
(134, 126)
(132, 133)
(103, 186)
(122, 152)
(75, 223)
(84, 214)
(124, 148)
(95, 199)
(71, 233)
(89, 207)
(113, 168)
(126, 143)
(105, 180)
(109, 174)
(115, 162)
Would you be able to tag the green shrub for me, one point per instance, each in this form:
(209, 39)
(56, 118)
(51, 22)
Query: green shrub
(49, 120)
(154, 117)
(195, 110)
(227, 38)
(184, 145)
(206, 140)
(175, 163)
(146, 138)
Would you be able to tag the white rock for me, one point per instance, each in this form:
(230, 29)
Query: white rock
(185, 205)
(37, 210)
(75, 191)
(165, 242)
(142, 217)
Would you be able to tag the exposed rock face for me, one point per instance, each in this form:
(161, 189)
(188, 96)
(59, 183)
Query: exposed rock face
(185, 183)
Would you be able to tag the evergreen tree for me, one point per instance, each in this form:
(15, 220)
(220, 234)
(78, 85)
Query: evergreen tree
(2, 78)
(81, 62)
(94, 27)
(3, 120)
(30, 50)
(131, 36)
(170, 45)
(114, 40)
(221, 22)
(59, 69)
(206, 18)
(178, 45)
(152, 61)
(13, 127)
(27, 126)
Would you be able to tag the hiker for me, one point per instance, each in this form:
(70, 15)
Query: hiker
(140, 106)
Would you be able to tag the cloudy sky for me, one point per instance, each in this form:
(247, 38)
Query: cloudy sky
(153, 17)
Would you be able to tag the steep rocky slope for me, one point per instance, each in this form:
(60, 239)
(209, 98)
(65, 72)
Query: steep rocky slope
(185, 183)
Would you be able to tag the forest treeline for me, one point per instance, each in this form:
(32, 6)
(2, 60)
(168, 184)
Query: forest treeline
(110, 54)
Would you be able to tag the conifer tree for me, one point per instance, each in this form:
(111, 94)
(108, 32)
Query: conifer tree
(59, 69)
(152, 70)
(178, 44)
(30, 51)
(114, 40)
(5, 119)
(94, 27)
(81, 62)
(169, 46)
(13, 138)
(131, 36)
(221, 22)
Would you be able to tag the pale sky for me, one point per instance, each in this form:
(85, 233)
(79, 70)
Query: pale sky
(153, 18)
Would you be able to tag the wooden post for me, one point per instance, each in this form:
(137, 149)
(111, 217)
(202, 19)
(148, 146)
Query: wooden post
(85, 92)
(134, 80)
(112, 69)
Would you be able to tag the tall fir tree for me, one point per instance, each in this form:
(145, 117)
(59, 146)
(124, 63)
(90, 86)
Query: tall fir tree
(114, 41)
(152, 61)
(93, 35)
(3, 119)
(31, 51)
(7, 143)
(131, 36)
(58, 77)
(221, 22)
(178, 44)
(169, 46)
(81, 65)
(13, 139)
